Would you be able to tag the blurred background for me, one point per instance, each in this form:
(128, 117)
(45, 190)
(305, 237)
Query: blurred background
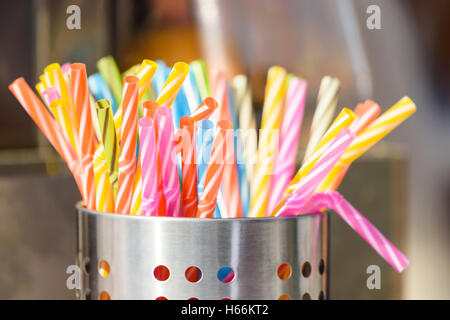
(402, 185)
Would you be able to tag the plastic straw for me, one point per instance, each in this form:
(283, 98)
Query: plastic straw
(201, 78)
(189, 167)
(366, 113)
(231, 186)
(221, 150)
(247, 122)
(326, 105)
(306, 187)
(104, 195)
(289, 136)
(85, 129)
(150, 108)
(60, 111)
(173, 84)
(109, 141)
(272, 112)
(127, 153)
(49, 127)
(171, 183)
(148, 157)
(110, 72)
(49, 95)
(360, 225)
(100, 90)
(376, 131)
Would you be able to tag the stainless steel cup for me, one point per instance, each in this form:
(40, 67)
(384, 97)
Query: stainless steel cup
(133, 257)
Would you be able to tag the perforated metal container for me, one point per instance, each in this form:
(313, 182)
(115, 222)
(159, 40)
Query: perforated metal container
(131, 257)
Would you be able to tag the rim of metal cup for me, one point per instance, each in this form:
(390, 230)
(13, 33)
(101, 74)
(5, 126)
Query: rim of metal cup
(80, 207)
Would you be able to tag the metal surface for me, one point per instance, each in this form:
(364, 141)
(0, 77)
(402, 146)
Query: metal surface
(253, 248)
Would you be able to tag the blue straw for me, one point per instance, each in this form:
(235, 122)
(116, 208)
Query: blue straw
(100, 90)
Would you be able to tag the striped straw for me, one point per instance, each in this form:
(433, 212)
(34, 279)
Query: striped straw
(360, 224)
(272, 111)
(326, 104)
(306, 187)
(173, 84)
(189, 167)
(221, 149)
(104, 197)
(49, 95)
(127, 153)
(109, 141)
(231, 184)
(148, 157)
(366, 113)
(289, 136)
(86, 136)
(110, 72)
(49, 127)
(60, 110)
(376, 131)
(145, 74)
(171, 183)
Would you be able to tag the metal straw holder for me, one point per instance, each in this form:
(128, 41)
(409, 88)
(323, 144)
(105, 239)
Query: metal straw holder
(122, 257)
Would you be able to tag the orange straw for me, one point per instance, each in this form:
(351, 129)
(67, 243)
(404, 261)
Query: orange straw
(189, 167)
(86, 134)
(127, 153)
(49, 127)
(366, 113)
(222, 148)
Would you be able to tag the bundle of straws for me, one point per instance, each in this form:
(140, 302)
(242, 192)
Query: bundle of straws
(182, 142)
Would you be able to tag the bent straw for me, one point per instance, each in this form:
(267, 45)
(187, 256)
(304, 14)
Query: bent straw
(109, 141)
(272, 111)
(289, 136)
(127, 153)
(189, 167)
(359, 224)
(49, 127)
(148, 156)
(326, 104)
(222, 147)
(306, 187)
(171, 183)
(104, 196)
(387, 122)
(85, 129)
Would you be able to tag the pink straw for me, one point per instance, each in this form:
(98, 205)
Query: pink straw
(307, 186)
(290, 133)
(362, 226)
(50, 94)
(171, 183)
(148, 157)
